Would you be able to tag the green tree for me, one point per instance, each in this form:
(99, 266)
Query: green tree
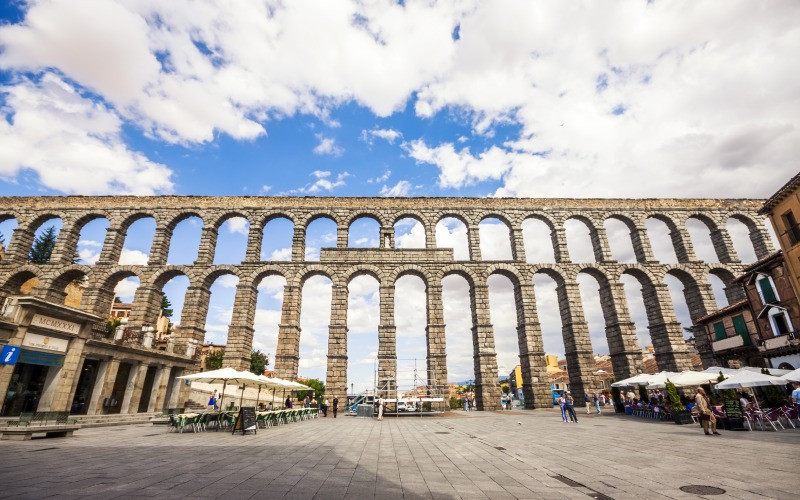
(258, 362)
(117, 300)
(674, 397)
(317, 385)
(113, 324)
(214, 360)
(166, 307)
(43, 246)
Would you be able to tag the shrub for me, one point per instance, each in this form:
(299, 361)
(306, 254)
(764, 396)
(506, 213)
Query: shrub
(674, 397)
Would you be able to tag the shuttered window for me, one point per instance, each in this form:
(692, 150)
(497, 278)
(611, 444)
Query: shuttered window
(719, 331)
(766, 290)
(740, 328)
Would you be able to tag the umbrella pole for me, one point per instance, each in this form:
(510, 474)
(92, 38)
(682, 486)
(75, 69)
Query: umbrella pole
(284, 396)
(241, 398)
(258, 398)
(222, 398)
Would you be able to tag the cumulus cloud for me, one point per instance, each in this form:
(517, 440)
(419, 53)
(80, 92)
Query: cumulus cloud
(133, 257)
(72, 143)
(387, 134)
(126, 288)
(402, 188)
(382, 178)
(323, 182)
(237, 225)
(327, 146)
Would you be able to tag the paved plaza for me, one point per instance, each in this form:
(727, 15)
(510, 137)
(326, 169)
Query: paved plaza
(518, 454)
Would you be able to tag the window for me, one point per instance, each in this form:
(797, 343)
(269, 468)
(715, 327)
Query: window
(779, 321)
(740, 327)
(719, 331)
(792, 229)
(766, 289)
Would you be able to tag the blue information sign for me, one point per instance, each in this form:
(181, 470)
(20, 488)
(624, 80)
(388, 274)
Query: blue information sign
(9, 355)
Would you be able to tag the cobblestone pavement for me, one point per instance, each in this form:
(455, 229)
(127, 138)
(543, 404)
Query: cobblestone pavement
(516, 454)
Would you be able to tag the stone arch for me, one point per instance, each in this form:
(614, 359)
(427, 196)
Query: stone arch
(254, 279)
(226, 216)
(359, 218)
(734, 292)
(173, 222)
(55, 287)
(635, 236)
(210, 277)
(696, 299)
(13, 283)
(410, 270)
(429, 238)
(459, 270)
(129, 219)
(99, 294)
(510, 236)
(363, 270)
(759, 239)
(314, 270)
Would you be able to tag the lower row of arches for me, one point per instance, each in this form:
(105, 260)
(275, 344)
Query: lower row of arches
(410, 317)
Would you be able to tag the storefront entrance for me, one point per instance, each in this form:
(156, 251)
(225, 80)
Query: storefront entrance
(25, 389)
(147, 389)
(113, 404)
(83, 393)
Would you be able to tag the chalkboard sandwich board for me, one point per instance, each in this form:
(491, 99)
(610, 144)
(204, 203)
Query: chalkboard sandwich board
(733, 409)
(246, 420)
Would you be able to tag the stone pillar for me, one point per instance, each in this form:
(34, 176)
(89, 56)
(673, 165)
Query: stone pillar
(299, 244)
(208, 245)
(517, 244)
(342, 235)
(336, 379)
(701, 301)
(112, 246)
(287, 356)
(130, 388)
(177, 384)
(255, 238)
(161, 398)
(193, 317)
(665, 330)
(641, 245)
(600, 246)
(487, 386)
(577, 343)
(104, 386)
(532, 360)
(430, 235)
(759, 237)
(559, 238)
(387, 343)
(623, 344)
(723, 245)
(21, 242)
(239, 346)
(159, 389)
(474, 242)
(682, 243)
(159, 250)
(66, 243)
(146, 307)
(387, 237)
(437, 346)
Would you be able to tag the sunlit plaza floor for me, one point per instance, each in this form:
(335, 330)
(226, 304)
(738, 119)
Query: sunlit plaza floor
(517, 454)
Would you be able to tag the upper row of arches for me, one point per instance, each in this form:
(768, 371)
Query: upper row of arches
(230, 239)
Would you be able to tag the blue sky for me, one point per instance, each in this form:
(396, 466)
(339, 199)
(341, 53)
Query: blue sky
(452, 98)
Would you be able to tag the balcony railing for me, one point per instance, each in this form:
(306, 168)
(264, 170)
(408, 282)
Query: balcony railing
(791, 338)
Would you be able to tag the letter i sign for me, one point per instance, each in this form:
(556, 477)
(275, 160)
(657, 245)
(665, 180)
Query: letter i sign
(9, 355)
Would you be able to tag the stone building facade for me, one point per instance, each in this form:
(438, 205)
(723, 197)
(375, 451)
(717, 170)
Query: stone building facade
(387, 264)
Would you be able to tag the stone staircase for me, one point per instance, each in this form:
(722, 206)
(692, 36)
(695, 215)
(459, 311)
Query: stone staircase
(191, 405)
(87, 421)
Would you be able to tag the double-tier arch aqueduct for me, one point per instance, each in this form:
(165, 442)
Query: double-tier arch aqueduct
(387, 264)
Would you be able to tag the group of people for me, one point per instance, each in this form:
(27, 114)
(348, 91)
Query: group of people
(594, 401)
(567, 404)
(307, 402)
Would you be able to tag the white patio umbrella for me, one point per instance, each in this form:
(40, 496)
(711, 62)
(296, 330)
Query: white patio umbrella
(641, 379)
(225, 375)
(660, 379)
(267, 382)
(687, 378)
(792, 376)
(747, 378)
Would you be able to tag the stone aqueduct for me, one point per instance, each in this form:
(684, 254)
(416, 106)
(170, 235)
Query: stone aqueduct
(387, 264)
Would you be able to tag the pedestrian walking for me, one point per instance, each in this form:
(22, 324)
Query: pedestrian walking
(381, 404)
(325, 408)
(603, 398)
(212, 401)
(335, 406)
(466, 403)
(588, 401)
(705, 413)
(562, 403)
(570, 405)
(596, 400)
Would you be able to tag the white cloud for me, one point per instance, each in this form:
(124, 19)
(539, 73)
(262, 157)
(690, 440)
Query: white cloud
(409, 233)
(452, 233)
(400, 189)
(133, 257)
(387, 134)
(90, 243)
(327, 146)
(227, 281)
(281, 254)
(73, 144)
(238, 225)
(265, 189)
(323, 182)
(126, 288)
